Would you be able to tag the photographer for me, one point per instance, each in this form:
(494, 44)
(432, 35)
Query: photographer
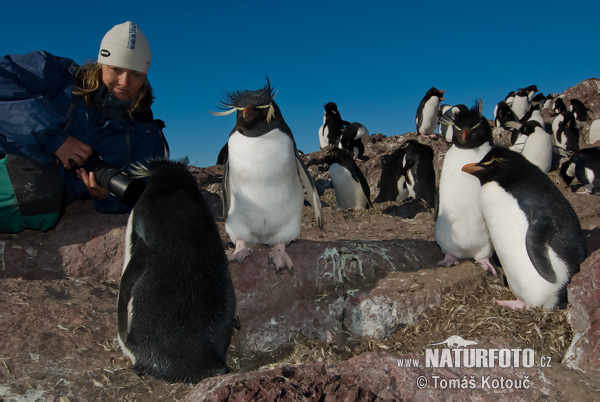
(54, 114)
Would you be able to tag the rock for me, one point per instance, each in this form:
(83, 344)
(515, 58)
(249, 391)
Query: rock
(584, 316)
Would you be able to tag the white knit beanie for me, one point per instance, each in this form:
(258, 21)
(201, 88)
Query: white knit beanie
(126, 46)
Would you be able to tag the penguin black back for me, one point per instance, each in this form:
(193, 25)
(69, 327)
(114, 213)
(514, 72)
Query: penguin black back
(176, 306)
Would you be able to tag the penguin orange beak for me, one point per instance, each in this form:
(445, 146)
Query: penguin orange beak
(471, 168)
(442, 92)
(249, 113)
(464, 135)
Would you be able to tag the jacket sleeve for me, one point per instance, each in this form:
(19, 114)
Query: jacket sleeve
(35, 95)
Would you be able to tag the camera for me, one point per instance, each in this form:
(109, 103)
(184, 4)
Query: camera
(126, 188)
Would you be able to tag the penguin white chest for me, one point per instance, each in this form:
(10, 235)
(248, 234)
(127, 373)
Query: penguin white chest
(460, 229)
(348, 192)
(538, 149)
(520, 106)
(323, 133)
(266, 195)
(430, 115)
(508, 228)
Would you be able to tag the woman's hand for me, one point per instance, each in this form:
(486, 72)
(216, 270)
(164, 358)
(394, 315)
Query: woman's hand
(90, 182)
(74, 149)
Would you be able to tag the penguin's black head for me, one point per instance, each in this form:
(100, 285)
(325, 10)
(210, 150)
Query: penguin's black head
(472, 128)
(257, 112)
(531, 88)
(499, 162)
(529, 127)
(331, 107)
(564, 172)
(337, 155)
(435, 92)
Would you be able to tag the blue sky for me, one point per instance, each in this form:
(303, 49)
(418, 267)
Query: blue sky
(374, 59)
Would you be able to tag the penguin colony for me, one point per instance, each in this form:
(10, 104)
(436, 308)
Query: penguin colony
(176, 303)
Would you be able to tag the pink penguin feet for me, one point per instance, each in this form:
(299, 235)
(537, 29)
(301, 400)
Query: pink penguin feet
(280, 259)
(448, 260)
(240, 253)
(514, 304)
(486, 265)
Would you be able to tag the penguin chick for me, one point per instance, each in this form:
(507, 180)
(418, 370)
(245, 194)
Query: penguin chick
(460, 229)
(263, 180)
(583, 165)
(535, 231)
(350, 185)
(427, 112)
(176, 303)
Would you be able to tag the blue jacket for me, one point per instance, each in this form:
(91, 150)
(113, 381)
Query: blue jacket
(38, 112)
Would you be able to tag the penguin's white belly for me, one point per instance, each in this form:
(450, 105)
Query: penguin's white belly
(460, 229)
(266, 195)
(323, 133)
(429, 119)
(403, 192)
(508, 225)
(594, 132)
(538, 149)
(348, 192)
(520, 106)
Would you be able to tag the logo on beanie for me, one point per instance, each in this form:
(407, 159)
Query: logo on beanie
(104, 53)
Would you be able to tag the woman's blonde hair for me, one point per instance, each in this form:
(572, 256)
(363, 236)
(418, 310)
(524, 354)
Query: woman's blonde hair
(88, 79)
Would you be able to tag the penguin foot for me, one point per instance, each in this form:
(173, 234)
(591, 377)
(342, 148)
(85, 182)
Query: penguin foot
(486, 265)
(448, 260)
(240, 253)
(281, 260)
(514, 304)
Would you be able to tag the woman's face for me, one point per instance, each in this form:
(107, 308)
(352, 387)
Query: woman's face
(124, 84)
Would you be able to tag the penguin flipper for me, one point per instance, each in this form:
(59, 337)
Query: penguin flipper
(540, 231)
(140, 255)
(225, 190)
(311, 190)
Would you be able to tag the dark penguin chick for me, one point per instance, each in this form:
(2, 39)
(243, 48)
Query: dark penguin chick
(427, 112)
(353, 140)
(263, 179)
(460, 229)
(566, 132)
(330, 132)
(535, 231)
(408, 173)
(559, 106)
(504, 114)
(579, 110)
(176, 304)
(351, 188)
(584, 165)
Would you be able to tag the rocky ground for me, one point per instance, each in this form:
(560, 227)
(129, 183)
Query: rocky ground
(366, 298)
